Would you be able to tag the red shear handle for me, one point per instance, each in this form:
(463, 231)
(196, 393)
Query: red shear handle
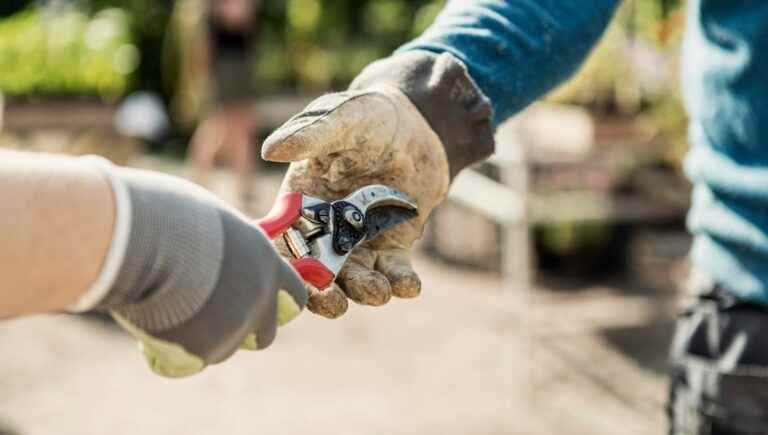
(284, 213)
(313, 272)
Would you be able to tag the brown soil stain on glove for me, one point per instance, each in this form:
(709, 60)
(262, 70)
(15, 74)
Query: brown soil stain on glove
(361, 282)
(354, 139)
(395, 264)
(330, 303)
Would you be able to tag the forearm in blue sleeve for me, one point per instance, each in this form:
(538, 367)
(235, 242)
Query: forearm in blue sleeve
(517, 50)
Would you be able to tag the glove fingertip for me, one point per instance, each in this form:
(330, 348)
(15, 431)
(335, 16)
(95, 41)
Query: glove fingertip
(331, 303)
(290, 142)
(293, 286)
(265, 337)
(267, 328)
(288, 308)
(250, 342)
(406, 286)
(274, 148)
(166, 359)
(366, 286)
(169, 366)
(395, 265)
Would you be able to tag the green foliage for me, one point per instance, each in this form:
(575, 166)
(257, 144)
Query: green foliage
(67, 52)
(147, 26)
(567, 238)
(305, 45)
(311, 45)
(634, 67)
(635, 71)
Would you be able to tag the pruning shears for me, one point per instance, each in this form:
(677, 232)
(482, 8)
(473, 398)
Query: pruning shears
(321, 234)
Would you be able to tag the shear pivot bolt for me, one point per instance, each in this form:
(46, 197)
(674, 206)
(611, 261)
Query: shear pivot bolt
(354, 217)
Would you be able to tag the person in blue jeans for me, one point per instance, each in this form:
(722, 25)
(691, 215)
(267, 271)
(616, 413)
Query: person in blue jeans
(418, 117)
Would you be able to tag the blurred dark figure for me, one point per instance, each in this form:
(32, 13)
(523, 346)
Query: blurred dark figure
(227, 126)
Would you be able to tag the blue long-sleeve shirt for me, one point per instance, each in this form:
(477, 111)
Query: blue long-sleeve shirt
(517, 50)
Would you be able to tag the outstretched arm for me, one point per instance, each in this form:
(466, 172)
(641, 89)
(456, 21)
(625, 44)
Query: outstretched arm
(55, 227)
(517, 50)
(417, 118)
(190, 277)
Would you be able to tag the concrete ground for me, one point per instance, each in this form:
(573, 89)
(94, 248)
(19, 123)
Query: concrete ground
(468, 357)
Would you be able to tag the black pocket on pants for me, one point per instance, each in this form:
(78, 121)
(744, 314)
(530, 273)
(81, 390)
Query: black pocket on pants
(719, 380)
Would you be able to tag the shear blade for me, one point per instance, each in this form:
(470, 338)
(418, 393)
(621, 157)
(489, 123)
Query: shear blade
(382, 218)
(376, 195)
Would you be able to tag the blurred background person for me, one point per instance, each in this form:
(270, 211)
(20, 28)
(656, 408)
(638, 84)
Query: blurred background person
(222, 54)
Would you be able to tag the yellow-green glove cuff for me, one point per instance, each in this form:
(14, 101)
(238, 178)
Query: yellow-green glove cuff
(166, 359)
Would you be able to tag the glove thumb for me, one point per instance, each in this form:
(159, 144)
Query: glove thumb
(292, 295)
(290, 300)
(334, 123)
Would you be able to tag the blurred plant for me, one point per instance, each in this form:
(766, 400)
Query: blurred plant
(305, 45)
(310, 45)
(65, 51)
(566, 238)
(634, 71)
(635, 63)
(147, 22)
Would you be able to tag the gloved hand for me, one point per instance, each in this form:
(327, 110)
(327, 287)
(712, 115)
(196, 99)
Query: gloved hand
(410, 122)
(194, 280)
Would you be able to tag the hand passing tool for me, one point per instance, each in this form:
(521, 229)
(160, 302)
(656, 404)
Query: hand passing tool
(321, 234)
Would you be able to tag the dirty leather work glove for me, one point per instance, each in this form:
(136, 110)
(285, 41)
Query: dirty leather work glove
(411, 121)
(188, 276)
